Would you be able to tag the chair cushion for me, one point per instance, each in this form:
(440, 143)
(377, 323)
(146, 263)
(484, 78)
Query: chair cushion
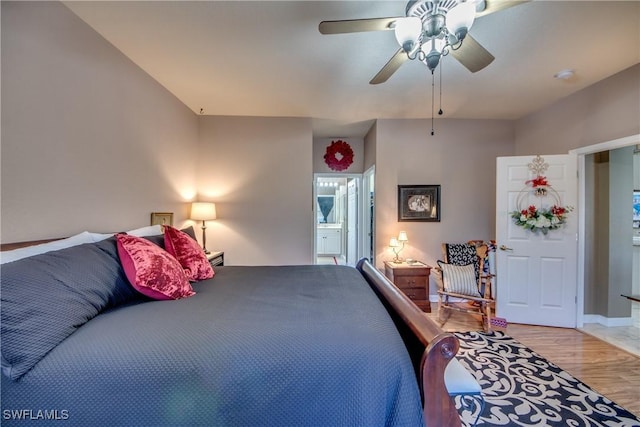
(462, 254)
(460, 279)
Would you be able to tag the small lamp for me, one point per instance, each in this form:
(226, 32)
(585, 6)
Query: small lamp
(203, 211)
(394, 244)
(397, 244)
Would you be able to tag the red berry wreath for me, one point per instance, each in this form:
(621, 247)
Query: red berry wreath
(339, 155)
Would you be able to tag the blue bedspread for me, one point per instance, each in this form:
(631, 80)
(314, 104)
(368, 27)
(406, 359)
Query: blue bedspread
(256, 346)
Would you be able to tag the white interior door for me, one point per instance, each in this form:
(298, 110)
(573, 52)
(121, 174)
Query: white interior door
(352, 222)
(536, 273)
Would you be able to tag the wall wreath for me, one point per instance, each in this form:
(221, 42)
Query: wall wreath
(339, 155)
(534, 218)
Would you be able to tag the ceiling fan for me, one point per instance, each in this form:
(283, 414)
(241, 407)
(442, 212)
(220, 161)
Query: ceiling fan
(431, 29)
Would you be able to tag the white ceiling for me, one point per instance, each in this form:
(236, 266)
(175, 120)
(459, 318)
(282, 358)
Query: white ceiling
(267, 58)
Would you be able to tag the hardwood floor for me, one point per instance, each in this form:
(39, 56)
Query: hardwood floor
(613, 372)
(625, 337)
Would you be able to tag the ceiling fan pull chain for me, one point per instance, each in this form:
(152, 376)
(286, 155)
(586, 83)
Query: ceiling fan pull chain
(440, 112)
(433, 89)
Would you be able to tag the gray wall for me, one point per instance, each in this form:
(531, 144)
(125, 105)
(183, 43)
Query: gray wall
(620, 237)
(370, 147)
(607, 110)
(461, 158)
(596, 292)
(89, 141)
(258, 170)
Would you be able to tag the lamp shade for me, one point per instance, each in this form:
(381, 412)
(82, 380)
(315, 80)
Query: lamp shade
(393, 242)
(407, 31)
(460, 18)
(402, 237)
(203, 211)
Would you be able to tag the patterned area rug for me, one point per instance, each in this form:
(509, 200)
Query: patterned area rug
(521, 388)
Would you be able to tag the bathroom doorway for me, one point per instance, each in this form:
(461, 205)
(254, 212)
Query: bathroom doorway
(338, 218)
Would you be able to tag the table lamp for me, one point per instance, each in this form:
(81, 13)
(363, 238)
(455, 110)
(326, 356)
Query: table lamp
(203, 211)
(397, 244)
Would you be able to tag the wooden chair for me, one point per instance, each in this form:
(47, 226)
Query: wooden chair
(461, 276)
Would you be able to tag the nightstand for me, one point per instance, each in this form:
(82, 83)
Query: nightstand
(412, 280)
(216, 258)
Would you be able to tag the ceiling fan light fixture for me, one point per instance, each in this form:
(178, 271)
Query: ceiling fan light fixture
(433, 25)
(433, 44)
(460, 19)
(407, 32)
(481, 5)
(432, 51)
(430, 30)
(432, 59)
(433, 28)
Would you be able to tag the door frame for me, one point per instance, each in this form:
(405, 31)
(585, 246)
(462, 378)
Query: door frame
(582, 152)
(367, 244)
(314, 210)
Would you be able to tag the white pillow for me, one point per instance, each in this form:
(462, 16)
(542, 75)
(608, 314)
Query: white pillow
(78, 239)
(99, 237)
(150, 230)
(16, 254)
(460, 279)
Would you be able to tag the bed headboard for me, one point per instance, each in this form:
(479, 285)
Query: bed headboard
(18, 245)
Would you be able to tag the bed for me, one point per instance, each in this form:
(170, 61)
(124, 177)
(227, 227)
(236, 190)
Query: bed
(263, 345)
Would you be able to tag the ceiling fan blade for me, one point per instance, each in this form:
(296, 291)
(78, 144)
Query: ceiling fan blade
(472, 55)
(492, 6)
(390, 67)
(357, 25)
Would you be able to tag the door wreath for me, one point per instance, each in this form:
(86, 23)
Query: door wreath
(534, 218)
(339, 155)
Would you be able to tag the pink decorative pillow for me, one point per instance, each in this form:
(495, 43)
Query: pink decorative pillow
(188, 253)
(151, 270)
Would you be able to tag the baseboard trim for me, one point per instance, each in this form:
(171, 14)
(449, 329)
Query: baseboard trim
(607, 321)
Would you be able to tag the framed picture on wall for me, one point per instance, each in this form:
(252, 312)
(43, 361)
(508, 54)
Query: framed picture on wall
(162, 218)
(419, 203)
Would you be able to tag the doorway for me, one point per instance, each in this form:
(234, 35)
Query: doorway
(338, 218)
(622, 253)
(621, 219)
(368, 217)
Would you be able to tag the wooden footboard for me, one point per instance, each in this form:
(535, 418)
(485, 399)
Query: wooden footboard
(430, 347)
